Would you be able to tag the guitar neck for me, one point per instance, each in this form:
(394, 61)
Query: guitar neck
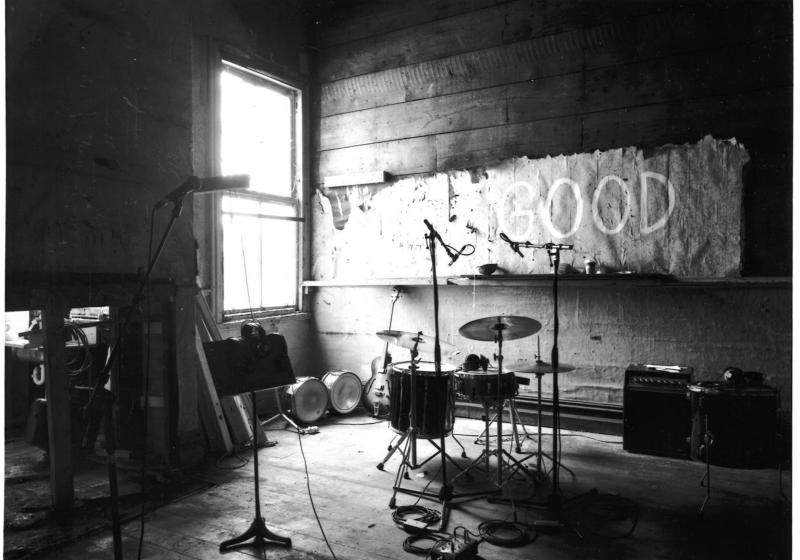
(386, 357)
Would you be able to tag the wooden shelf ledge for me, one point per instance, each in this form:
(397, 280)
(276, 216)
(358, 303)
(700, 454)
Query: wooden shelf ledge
(572, 280)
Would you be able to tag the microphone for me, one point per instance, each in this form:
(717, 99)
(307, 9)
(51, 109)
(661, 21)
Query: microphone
(559, 246)
(205, 185)
(514, 244)
(434, 233)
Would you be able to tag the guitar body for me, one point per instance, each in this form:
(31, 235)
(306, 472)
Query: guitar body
(375, 396)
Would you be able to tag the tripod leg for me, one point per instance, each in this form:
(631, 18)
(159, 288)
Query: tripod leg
(401, 472)
(514, 416)
(484, 436)
(392, 450)
(446, 456)
(706, 480)
(519, 419)
(463, 451)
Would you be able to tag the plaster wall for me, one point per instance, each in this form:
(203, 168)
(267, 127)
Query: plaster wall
(602, 329)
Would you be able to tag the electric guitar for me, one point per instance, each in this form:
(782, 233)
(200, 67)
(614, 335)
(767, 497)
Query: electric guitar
(375, 396)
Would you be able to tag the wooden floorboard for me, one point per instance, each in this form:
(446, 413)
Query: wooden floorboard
(746, 516)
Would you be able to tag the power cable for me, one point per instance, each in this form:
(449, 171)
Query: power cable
(310, 497)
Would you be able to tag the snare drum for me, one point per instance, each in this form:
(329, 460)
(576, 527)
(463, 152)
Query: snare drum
(344, 390)
(306, 399)
(433, 397)
(741, 422)
(480, 386)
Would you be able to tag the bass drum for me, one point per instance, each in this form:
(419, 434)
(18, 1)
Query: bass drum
(480, 386)
(306, 400)
(344, 390)
(741, 422)
(433, 397)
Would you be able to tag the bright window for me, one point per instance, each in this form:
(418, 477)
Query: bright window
(260, 227)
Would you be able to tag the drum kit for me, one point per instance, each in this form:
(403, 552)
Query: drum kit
(422, 400)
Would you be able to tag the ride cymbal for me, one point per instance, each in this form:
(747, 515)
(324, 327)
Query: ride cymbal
(424, 343)
(512, 327)
(540, 368)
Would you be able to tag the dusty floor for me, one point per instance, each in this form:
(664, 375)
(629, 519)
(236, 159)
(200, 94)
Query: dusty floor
(644, 506)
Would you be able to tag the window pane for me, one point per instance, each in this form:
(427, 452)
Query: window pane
(279, 263)
(245, 205)
(256, 132)
(266, 251)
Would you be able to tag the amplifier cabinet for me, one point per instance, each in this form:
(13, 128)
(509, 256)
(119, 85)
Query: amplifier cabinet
(657, 416)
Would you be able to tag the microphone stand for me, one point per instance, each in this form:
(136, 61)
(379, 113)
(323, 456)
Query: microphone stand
(100, 406)
(445, 495)
(555, 500)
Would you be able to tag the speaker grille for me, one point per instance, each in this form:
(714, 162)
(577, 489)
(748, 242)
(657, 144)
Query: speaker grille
(657, 416)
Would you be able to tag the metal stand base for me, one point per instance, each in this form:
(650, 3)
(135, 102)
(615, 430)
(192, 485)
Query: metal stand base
(259, 533)
(258, 530)
(504, 458)
(393, 447)
(280, 414)
(539, 454)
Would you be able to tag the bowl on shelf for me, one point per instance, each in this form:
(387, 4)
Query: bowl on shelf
(487, 269)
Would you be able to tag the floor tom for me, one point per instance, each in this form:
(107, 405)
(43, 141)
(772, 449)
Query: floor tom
(433, 398)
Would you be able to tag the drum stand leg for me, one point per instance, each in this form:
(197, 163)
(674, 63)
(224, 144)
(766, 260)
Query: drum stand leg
(515, 430)
(446, 456)
(539, 453)
(280, 414)
(393, 448)
(503, 456)
(708, 441)
(258, 530)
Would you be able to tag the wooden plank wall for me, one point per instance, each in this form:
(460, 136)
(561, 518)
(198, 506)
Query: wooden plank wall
(431, 85)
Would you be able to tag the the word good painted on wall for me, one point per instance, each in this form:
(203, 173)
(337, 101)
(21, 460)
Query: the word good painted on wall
(601, 197)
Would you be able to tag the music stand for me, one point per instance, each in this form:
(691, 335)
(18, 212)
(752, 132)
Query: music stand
(246, 365)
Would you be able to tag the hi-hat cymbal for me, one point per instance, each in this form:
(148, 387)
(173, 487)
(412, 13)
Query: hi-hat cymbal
(424, 343)
(540, 368)
(512, 327)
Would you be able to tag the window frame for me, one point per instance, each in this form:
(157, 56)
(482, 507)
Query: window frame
(297, 197)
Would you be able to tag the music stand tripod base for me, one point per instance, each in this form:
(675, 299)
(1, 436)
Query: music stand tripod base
(258, 530)
(259, 533)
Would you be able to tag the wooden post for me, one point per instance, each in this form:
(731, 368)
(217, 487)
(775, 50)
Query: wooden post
(58, 406)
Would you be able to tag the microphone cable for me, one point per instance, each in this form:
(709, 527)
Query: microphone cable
(310, 497)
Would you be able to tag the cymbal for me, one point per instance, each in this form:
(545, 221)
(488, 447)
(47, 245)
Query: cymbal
(512, 327)
(541, 368)
(423, 342)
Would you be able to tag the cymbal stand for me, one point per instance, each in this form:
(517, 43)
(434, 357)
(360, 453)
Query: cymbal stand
(555, 501)
(539, 453)
(409, 436)
(502, 455)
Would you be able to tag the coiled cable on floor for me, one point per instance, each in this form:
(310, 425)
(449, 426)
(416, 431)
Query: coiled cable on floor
(507, 533)
(434, 538)
(402, 514)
